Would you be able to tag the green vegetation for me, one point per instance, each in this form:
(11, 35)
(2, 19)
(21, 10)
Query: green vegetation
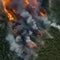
(51, 51)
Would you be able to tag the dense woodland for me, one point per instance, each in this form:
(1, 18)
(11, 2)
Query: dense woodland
(51, 49)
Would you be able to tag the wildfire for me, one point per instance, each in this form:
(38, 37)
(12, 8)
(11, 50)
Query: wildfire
(6, 3)
(11, 12)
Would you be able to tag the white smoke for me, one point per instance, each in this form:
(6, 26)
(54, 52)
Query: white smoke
(55, 25)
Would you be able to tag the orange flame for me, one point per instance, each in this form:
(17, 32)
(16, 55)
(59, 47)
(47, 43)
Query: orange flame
(28, 2)
(33, 4)
(12, 14)
(5, 3)
(41, 13)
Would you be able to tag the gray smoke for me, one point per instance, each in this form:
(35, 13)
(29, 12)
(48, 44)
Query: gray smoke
(14, 46)
(19, 48)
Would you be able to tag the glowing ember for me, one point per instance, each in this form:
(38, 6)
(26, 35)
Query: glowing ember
(6, 3)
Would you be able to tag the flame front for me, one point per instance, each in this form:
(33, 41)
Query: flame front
(6, 3)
